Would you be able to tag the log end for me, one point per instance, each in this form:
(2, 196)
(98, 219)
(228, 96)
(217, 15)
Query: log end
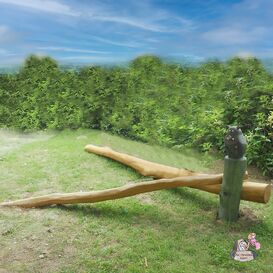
(89, 148)
(97, 149)
(267, 193)
(256, 192)
(7, 204)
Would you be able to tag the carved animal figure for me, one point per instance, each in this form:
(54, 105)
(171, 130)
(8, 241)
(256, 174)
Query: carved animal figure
(235, 143)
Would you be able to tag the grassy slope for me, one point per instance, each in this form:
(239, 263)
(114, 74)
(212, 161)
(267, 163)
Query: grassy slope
(173, 230)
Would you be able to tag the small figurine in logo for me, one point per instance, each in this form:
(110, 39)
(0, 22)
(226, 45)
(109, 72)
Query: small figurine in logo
(243, 249)
(252, 240)
(241, 253)
(242, 245)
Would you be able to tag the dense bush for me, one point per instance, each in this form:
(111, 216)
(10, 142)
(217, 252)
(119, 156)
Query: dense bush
(149, 100)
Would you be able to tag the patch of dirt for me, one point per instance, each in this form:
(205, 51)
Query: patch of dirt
(248, 215)
(247, 218)
(45, 249)
(145, 198)
(11, 140)
(254, 174)
(37, 255)
(81, 137)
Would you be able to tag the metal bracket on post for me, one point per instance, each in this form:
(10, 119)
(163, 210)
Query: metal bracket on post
(234, 169)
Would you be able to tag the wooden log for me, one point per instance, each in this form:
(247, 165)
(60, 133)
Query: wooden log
(111, 194)
(144, 167)
(255, 192)
(251, 191)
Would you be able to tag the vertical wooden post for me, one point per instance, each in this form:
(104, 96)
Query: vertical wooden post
(234, 169)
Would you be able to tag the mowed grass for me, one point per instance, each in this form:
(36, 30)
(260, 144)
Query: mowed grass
(164, 231)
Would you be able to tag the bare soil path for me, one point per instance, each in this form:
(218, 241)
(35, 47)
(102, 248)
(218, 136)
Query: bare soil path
(11, 140)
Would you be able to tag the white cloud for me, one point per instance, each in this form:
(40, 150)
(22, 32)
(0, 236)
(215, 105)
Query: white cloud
(161, 23)
(45, 6)
(124, 44)
(155, 21)
(245, 54)
(3, 30)
(93, 59)
(6, 34)
(245, 27)
(3, 51)
(234, 35)
(153, 40)
(10, 61)
(69, 49)
(6, 53)
(134, 22)
(186, 56)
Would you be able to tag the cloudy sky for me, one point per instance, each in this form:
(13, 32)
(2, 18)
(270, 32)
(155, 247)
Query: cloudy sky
(106, 31)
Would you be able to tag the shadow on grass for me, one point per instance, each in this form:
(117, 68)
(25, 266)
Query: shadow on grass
(117, 212)
(135, 215)
(248, 220)
(195, 198)
(130, 211)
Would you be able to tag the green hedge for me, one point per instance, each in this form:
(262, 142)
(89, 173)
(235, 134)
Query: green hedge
(149, 100)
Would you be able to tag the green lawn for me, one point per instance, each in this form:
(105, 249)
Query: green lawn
(164, 231)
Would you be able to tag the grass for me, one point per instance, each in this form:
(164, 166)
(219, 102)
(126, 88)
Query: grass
(164, 231)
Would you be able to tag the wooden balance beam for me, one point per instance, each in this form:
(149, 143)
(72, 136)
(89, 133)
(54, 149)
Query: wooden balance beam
(251, 191)
(115, 193)
(144, 167)
(256, 192)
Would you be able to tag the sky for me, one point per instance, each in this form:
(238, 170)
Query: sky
(101, 32)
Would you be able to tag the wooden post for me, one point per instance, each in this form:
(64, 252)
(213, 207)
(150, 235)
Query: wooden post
(234, 169)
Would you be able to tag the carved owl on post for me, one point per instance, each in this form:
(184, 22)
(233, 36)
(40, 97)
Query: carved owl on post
(235, 143)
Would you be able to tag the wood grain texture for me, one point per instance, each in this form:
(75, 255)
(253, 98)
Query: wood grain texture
(144, 167)
(172, 178)
(115, 193)
(251, 191)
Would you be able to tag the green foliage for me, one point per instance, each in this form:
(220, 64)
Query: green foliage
(150, 100)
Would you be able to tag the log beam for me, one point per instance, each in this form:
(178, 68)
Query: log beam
(251, 191)
(115, 193)
(144, 167)
(256, 192)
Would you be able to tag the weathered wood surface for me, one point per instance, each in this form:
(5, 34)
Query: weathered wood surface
(251, 191)
(115, 193)
(256, 192)
(144, 167)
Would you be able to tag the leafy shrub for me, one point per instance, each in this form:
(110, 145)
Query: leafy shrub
(149, 100)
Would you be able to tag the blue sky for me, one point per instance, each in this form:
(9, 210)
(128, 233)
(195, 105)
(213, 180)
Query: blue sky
(88, 31)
